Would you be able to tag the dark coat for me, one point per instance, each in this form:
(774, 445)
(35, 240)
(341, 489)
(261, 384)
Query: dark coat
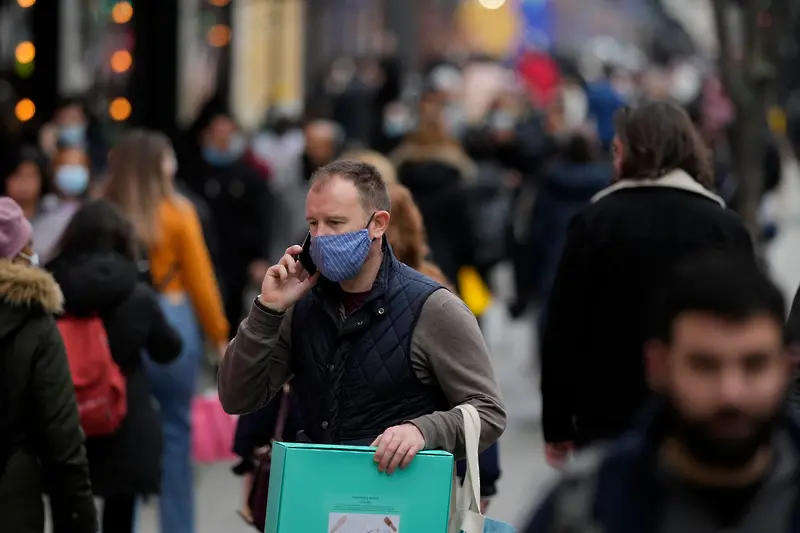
(566, 189)
(618, 252)
(105, 284)
(257, 429)
(625, 482)
(438, 177)
(353, 375)
(38, 411)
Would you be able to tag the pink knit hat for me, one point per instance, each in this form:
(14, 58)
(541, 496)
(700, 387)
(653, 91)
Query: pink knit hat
(15, 230)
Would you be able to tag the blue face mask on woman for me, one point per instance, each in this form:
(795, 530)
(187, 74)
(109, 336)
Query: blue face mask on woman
(72, 180)
(224, 158)
(73, 135)
(341, 257)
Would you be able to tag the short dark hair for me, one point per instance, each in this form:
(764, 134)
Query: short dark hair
(659, 137)
(366, 178)
(100, 226)
(581, 149)
(722, 284)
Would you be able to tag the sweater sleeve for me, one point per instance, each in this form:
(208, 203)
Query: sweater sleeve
(198, 276)
(447, 348)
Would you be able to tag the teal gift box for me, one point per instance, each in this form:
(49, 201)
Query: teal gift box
(316, 488)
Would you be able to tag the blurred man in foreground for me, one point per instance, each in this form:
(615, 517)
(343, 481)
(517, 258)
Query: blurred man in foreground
(719, 452)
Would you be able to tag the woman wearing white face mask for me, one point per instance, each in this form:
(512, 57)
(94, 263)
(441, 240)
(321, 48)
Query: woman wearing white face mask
(71, 178)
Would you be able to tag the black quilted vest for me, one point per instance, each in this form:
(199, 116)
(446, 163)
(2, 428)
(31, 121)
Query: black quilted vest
(353, 375)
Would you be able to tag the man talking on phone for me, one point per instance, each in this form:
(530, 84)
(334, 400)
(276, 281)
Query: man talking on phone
(377, 353)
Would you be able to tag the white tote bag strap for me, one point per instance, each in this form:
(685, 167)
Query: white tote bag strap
(469, 499)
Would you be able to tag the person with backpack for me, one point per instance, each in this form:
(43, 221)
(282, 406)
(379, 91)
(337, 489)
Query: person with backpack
(41, 442)
(111, 319)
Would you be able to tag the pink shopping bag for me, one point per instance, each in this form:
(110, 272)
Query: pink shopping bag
(212, 430)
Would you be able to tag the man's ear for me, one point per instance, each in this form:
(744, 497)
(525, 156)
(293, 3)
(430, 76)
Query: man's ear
(655, 361)
(380, 222)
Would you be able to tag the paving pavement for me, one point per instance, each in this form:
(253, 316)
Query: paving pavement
(512, 345)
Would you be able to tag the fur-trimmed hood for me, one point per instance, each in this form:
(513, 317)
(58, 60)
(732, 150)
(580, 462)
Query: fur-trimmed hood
(24, 286)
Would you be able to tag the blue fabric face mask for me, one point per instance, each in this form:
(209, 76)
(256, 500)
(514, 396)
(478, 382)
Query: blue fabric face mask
(73, 135)
(224, 158)
(341, 257)
(72, 180)
(394, 128)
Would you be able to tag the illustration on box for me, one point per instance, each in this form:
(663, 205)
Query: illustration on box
(363, 523)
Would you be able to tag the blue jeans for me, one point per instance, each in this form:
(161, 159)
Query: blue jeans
(174, 385)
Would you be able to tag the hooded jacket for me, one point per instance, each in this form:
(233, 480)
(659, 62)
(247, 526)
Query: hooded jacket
(41, 441)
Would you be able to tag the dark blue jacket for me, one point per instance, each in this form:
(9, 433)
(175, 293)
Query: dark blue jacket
(353, 375)
(604, 101)
(489, 470)
(566, 189)
(625, 485)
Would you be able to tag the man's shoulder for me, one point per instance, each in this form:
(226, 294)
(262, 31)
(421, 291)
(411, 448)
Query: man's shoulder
(414, 277)
(415, 286)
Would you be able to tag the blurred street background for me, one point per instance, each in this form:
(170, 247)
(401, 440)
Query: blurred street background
(301, 82)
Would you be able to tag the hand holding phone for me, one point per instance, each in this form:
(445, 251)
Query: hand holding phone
(286, 282)
(305, 256)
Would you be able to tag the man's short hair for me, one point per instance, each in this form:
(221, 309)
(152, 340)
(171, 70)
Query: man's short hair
(366, 178)
(724, 285)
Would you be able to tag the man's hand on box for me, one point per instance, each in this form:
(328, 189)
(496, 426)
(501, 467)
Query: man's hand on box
(397, 446)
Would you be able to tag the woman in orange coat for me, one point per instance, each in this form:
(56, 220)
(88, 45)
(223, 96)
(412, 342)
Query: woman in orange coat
(141, 182)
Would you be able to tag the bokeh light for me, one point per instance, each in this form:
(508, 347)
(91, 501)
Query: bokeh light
(122, 12)
(492, 4)
(121, 60)
(26, 3)
(25, 110)
(25, 52)
(219, 35)
(119, 109)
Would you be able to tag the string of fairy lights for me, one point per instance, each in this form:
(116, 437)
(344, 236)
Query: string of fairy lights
(120, 60)
(25, 53)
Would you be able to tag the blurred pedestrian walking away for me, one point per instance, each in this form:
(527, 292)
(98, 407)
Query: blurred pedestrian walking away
(141, 181)
(41, 441)
(435, 168)
(97, 270)
(618, 252)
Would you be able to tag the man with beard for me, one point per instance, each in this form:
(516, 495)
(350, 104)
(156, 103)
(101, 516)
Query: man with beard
(718, 451)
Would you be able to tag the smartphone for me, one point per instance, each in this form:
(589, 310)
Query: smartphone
(305, 256)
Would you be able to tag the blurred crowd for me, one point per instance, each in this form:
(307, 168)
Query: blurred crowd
(488, 163)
